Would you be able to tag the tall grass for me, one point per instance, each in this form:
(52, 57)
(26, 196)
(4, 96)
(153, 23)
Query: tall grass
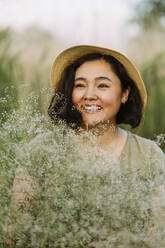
(10, 71)
(154, 77)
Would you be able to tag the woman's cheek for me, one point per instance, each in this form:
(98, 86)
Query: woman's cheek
(76, 97)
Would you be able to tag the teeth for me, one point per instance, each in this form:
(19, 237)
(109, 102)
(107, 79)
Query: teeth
(92, 107)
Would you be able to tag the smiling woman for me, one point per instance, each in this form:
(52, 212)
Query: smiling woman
(101, 67)
(97, 88)
(100, 88)
(97, 93)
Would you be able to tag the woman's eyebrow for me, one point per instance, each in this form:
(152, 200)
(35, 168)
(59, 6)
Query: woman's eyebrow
(80, 78)
(97, 78)
(103, 77)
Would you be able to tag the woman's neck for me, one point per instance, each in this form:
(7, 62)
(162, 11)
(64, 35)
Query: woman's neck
(104, 134)
(109, 138)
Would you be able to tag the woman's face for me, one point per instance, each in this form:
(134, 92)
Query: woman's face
(97, 92)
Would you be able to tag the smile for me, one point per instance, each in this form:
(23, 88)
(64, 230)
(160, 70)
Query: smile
(91, 108)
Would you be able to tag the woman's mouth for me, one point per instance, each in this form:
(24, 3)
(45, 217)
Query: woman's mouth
(91, 108)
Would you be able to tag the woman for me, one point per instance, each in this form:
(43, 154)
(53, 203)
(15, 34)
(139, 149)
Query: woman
(95, 89)
(100, 88)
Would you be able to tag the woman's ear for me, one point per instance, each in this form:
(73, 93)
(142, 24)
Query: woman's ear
(125, 95)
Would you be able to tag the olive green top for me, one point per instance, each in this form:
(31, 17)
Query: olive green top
(145, 156)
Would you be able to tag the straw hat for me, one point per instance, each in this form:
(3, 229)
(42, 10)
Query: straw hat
(71, 54)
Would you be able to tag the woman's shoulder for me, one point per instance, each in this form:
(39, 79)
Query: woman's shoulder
(147, 155)
(147, 149)
(145, 144)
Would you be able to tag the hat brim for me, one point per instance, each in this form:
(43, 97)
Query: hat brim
(68, 56)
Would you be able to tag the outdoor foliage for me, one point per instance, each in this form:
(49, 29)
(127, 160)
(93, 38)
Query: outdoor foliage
(83, 201)
(154, 77)
(150, 14)
(10, 71)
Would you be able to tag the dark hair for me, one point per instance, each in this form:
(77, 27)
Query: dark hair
(61, 106)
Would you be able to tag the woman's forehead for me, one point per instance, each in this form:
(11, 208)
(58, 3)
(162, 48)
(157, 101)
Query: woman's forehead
(97, 64)
(95, 67)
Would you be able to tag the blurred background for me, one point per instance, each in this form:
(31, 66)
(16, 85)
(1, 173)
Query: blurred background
(32, 33)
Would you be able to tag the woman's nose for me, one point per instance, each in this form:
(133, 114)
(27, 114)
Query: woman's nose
(90, 94)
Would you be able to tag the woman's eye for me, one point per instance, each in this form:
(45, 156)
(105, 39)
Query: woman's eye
(79, 85)
(103, 86)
